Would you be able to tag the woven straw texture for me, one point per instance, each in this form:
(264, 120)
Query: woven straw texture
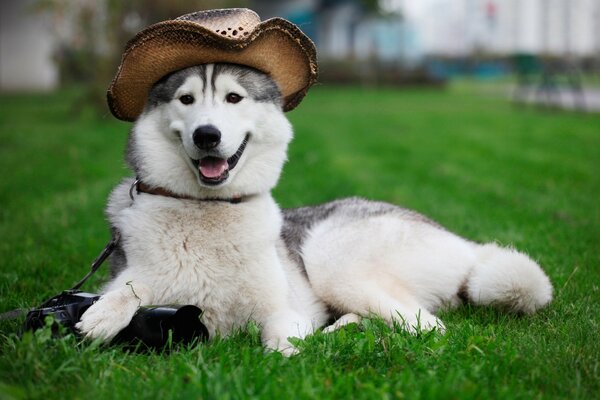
(276, 47)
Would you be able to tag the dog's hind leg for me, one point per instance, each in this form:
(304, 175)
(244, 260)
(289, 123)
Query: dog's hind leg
(403, 310)
(367, 297)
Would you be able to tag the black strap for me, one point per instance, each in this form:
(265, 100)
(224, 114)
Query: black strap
(110, 247)
(13, 314)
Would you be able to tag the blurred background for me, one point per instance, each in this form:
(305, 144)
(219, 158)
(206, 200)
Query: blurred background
(542, 48)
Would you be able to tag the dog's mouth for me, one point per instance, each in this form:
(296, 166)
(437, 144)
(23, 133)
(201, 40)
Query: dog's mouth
(215, 170)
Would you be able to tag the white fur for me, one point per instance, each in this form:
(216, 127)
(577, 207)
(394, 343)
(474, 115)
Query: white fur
(230, 260)
(508, 278)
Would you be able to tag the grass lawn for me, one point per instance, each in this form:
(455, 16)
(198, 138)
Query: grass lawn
(475, 163)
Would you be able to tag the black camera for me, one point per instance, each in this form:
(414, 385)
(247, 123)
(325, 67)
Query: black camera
(153, 326)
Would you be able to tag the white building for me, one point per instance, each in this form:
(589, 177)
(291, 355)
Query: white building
(26, 48)
(448, 27)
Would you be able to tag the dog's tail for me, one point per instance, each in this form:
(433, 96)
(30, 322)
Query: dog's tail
(506, 278)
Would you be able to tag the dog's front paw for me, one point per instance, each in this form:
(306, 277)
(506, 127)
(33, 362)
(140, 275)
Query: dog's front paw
(108, 316)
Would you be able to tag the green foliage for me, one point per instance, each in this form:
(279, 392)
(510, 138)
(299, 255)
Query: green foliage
(475, 163)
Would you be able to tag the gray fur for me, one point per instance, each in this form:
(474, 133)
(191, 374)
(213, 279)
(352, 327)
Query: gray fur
(164, 90)
(259, 86)
(130, 154)
(117, 261)
(299, 221)
(119, 200)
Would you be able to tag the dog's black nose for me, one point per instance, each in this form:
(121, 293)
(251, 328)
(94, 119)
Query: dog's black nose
(207, 137)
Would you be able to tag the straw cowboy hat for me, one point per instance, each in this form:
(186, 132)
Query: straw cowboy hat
(275, 46)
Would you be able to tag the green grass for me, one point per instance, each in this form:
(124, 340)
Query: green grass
(477, 164)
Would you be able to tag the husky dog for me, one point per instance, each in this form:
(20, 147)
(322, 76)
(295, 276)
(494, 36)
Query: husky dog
(203, 229)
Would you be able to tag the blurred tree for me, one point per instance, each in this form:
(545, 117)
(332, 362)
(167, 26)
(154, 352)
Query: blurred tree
(381, 8)
(92, 35)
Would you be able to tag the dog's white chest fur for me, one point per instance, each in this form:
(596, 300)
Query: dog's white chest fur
(220, 255)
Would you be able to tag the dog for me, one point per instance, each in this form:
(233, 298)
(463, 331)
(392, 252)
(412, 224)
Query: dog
(203, 229)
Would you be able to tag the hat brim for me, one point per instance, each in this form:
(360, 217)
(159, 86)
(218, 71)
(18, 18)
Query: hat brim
(275, 47)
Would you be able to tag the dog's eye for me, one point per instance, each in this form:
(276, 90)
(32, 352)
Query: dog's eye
(233, 98)
(186, 99)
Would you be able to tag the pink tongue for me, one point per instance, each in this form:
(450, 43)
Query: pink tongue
(213, 167)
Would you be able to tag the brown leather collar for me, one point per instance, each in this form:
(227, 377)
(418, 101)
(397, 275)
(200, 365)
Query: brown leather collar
(141, 187)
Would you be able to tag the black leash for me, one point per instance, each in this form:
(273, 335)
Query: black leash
(107, 251)
(13, 314)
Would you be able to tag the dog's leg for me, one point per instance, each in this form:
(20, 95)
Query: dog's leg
(391, 302)
(342, 321)
(410, 317)
(406, 312)
(114, 310)
(281, 326)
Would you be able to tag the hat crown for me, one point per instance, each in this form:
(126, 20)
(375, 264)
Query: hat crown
(275, 47)
(233, 23)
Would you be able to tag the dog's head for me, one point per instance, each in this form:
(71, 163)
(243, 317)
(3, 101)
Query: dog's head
(214, 130)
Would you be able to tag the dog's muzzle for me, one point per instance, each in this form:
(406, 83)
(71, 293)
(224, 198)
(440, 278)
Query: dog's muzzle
(215, 170)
